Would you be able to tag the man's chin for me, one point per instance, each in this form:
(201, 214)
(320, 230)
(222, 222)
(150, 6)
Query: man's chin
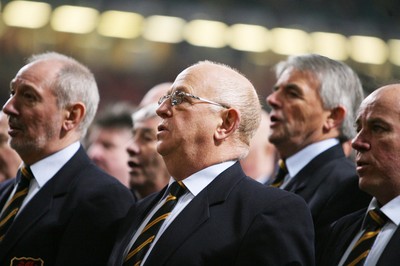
(137, 180)
(276, 138)
(18, 145)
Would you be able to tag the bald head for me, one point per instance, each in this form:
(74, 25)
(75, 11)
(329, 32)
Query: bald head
(227, 86)
(389, 94)
(377, 143)
(220, 77)
(386, 99)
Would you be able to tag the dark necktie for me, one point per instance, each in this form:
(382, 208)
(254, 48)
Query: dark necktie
(12, 207)
(373, 225)
(280, 177)
(146, 237)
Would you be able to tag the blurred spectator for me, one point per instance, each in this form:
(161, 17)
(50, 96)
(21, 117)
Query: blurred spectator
(148, 172)
(108, 139)
(261, 161)
(9, 158)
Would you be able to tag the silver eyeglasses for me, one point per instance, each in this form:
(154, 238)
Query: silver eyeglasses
(178, 96)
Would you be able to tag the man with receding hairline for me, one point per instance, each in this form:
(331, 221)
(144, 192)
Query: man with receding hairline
(211, 213)
(62, 209)
(377, 146)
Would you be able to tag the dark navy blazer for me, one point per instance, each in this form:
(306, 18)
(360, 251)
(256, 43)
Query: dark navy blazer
(233, 221)
(72, 219)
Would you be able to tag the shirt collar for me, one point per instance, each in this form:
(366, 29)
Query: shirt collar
(390, 209)
(199, 180)
(300, 159)
(46, 168)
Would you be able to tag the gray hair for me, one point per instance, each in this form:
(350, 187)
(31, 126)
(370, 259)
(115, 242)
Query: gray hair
(144, 113)
(74, 83)
(339, 85)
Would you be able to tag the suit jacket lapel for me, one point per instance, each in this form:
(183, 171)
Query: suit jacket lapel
(42, 202)
(6, 193)
(132, 222)
(187, 221)
(340, 237)
(345, 239)
(390, 255)
(36, 208)
(195, 214)
(312, 169)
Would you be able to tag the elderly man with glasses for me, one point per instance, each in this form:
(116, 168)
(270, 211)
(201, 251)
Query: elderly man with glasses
(211, 213)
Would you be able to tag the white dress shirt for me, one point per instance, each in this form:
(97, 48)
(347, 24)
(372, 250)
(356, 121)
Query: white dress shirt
(299, 160)
(392, 211)
(194, 184)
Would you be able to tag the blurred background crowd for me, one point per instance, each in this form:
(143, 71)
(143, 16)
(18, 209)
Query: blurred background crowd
(131, 45)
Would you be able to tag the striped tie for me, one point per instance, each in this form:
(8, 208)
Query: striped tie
(373, 224)
(146, 237)
(12, 206)
(280, 177)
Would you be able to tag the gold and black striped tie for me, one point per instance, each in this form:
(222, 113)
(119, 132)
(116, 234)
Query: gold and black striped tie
(146, 237)
(373, 224)
(280, 177)
(12, 206)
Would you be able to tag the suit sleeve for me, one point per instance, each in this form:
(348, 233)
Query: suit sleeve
(281, 235)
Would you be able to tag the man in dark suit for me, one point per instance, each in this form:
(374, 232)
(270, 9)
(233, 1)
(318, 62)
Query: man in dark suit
(313, 104)
(377, 146)
(62, 209)
(222, 217)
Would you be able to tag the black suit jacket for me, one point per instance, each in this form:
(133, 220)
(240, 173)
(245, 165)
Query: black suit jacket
(329, 185)
(233, 221)
(343, 232)
(71, 220)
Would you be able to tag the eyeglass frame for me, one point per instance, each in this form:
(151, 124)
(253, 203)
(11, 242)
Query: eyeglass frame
(174, 101)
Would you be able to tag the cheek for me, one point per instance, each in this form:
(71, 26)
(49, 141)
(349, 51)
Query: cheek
(3, 157)
(386, 157)
(295, 115)
(149, 152)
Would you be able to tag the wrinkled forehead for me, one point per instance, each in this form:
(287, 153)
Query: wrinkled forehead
(380, 103)
(38, 71)
(186, 81)
(196, 79)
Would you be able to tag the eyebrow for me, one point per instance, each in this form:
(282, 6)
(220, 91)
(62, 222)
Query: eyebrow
(144, 130)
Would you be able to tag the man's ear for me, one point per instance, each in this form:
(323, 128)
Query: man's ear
(229, 123)
(335, 118)
(74, 115)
